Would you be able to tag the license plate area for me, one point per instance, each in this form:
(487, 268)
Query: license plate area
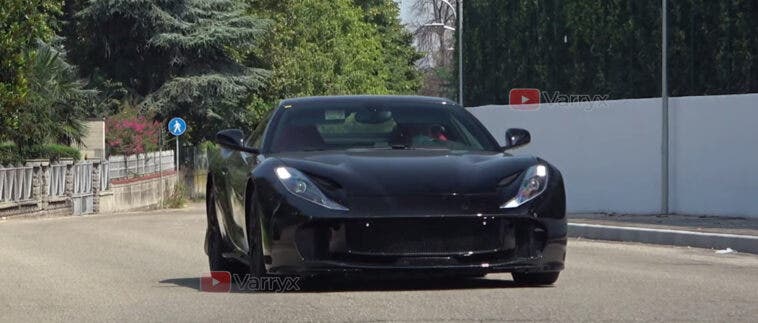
(460, 236)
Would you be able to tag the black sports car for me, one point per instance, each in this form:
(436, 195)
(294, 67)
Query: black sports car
(377, 184)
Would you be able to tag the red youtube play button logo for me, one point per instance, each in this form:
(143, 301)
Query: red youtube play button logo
(216, 282)
(524, 99)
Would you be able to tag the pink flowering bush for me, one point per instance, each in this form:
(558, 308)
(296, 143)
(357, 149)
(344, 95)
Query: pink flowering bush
(129, 133)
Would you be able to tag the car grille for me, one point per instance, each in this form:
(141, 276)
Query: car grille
(425, 236)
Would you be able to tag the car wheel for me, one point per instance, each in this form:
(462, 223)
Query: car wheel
(216, 260)
(254, 240)
(536, 278)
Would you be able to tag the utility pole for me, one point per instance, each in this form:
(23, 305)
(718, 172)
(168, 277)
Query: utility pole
(459, 14)
(665, 110)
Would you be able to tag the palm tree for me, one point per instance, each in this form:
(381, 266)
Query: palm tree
(56, 107)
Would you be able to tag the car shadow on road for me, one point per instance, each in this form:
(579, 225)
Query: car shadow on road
(326, 285)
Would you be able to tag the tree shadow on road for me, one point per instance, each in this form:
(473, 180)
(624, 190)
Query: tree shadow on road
(362, 284)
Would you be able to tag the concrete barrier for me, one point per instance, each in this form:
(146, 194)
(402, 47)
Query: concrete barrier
(140, 194)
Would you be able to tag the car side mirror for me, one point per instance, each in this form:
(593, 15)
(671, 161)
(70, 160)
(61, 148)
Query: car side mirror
(516, 137)
(233, 139)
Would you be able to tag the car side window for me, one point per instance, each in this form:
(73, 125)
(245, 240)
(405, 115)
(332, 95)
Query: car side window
(255, 139)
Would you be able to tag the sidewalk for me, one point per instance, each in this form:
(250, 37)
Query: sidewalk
(737, 233)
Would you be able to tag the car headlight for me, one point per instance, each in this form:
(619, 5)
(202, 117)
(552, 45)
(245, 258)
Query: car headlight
(298, 184)
(533, 184)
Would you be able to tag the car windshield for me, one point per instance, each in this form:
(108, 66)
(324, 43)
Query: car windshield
(389, 127)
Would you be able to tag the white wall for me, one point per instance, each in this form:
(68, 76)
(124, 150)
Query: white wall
(94, 140)
(714, 155)
(610, 152)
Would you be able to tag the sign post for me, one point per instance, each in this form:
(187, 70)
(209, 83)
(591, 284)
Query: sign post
(177, 127)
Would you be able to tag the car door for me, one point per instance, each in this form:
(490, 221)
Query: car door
(218, 172)
(240, 165)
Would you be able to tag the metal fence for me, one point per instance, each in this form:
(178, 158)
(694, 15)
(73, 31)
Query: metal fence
(72, 187)
(41, 186)
(141, 164)
(194, 167)
(56, 180)
(193, 157)
(15, 183)
(82, 199)
(82, 177)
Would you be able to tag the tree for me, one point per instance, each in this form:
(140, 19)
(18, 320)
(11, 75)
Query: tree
(713, 47)
(513, 44)
(397, 44)
(22, 22)
(178, 55)
(608, 47)
(573, 47)
(434, 37)
(321, 47)
(54, 109)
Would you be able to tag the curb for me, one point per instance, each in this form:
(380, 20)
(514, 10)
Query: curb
(740, 243)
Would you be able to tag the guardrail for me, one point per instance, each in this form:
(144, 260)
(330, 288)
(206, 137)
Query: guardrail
(39, 186)
(141, 164)
(67, 187)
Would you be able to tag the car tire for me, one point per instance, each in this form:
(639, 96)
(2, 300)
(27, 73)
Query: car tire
(216, 260)
(547, 278)
(257, 267)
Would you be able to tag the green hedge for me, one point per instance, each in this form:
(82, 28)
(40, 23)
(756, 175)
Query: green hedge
(10, 154)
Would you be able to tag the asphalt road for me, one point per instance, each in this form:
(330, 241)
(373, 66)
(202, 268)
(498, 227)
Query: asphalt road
(146, 267)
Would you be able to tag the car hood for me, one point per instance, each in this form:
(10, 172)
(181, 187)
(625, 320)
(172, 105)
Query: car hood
(371, 172)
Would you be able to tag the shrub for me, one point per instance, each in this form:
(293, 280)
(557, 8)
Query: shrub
(207, 145)
(10, 154)
(52, 152)
(130, 133)
(178, 197)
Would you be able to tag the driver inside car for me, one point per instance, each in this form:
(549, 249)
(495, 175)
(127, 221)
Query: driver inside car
(438, 133)
(427, 136)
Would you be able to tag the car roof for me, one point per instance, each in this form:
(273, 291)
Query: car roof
(376, 99)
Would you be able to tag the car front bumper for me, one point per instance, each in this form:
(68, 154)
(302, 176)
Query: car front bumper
(299, 244)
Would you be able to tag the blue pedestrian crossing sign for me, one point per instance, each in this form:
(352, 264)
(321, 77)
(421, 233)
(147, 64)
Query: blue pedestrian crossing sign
(177, 126)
